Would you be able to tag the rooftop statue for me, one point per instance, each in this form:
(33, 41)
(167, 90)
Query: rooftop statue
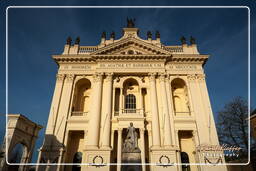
(112, 35)
(69, 40)
(77, 41)
(157, 34)
(192, 40)
(130, 23)
(183, 40)
(103, 35)
(149, 34)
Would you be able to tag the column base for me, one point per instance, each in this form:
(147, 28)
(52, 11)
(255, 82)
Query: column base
(164, 159)
(98, 159)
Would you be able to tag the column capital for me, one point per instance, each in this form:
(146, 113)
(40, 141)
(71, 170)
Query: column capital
(70, 77)
(152, 76)
(162, 77)
(97, 77)
(191, 77)
(119, 130)
(200, 77)
(60, 77)
(109, 76)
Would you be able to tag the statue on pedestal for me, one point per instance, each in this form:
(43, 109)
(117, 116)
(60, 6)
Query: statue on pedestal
(131, 140)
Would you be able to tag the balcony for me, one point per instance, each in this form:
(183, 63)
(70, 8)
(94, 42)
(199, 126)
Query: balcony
(127, 114)
(79, 113)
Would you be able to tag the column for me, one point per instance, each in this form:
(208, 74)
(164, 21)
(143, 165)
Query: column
(39, 158)
(59, 167)
(119, 149)
(178, 152)
(213, 136)
(107, 122)
(167, 127)
(55, 103)
(171, 108)
(121, 101)
(196, 98)
(141, 102)
(94, 124)
(64, 109)
(154, 110)
(142, 149)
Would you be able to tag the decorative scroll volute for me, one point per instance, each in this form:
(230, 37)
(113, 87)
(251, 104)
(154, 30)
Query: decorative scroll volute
(97, 77)
(152, 76)
(60, 77)
(109, 76)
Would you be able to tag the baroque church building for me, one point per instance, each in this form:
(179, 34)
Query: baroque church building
(130, 101)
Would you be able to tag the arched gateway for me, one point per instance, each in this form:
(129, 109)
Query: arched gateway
(19, 142)
(101, 89)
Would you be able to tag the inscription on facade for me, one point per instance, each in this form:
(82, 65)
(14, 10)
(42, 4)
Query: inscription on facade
(183, 67)
(76, 67)
(131, 65)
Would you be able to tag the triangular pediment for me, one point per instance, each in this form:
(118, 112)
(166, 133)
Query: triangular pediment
(131, 46)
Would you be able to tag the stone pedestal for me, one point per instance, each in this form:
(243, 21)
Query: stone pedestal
(131, 157)
(164, 159)
(97, 159)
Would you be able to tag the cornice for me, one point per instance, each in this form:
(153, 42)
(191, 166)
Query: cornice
(179, 58)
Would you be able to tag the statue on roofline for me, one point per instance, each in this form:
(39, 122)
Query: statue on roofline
(183, 40)
(157, 34)
(77, 41)
(112, 35)
(69, 41)
(130, 23)
(149, 34)
(103, 35)
(192, 40)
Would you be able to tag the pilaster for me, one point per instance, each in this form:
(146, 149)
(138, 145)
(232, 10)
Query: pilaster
(154, 110)
(107, 121)
(167, 128)
(94, 123)
(55, 104)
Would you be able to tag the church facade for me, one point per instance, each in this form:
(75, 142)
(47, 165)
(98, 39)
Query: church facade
(129, 101)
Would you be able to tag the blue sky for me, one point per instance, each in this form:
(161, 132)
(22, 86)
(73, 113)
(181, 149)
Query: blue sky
(36, 34)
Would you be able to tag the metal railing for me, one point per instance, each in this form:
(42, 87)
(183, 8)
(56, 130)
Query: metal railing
(129, 111)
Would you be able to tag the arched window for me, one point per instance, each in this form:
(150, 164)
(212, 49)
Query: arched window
(130, 103)
(180, 97)
(81, 101)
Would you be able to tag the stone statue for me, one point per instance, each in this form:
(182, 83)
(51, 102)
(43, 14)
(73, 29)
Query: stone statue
(157, 34)
(103, 35)
(130, 23)
(77, 41)
(183, 40)
(131, 140)
(112, 35)
(192, 40)
(149, 34)
(69, 40)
